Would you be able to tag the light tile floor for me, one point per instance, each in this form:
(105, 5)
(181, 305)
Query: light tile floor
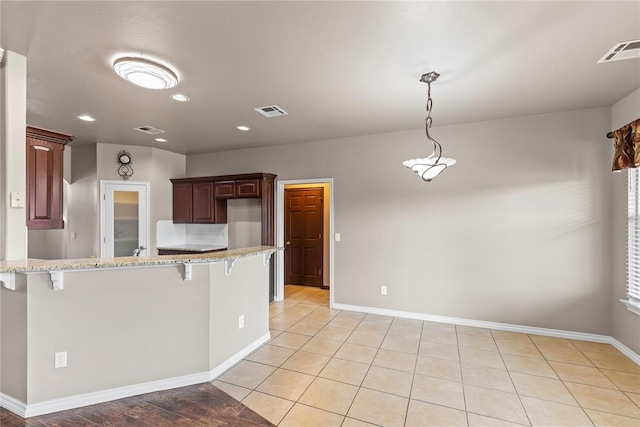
(329, 367)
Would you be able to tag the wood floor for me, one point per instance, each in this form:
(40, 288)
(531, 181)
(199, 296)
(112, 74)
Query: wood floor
(202, 404)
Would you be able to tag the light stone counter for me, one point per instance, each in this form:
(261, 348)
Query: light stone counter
(36, 265)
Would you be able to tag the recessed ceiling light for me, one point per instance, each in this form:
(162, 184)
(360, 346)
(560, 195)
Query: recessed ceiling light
(145, 73)
(180, 97)
(86, 118)
(243, 128)
(161, 140)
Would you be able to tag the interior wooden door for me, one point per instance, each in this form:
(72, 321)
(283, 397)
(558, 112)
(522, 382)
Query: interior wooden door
(303, 218)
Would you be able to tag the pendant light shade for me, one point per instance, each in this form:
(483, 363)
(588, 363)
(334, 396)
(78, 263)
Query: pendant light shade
(433, 165)
(145, 73)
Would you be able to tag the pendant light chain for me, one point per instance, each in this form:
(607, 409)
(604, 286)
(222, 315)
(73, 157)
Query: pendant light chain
(437, 148)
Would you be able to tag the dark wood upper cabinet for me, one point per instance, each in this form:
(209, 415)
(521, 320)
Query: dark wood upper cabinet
(246, 188)
(204, 199)
(182, 202)
(225, 190)
(203, 205)
(45, 156)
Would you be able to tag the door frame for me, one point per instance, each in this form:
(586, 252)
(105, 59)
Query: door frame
(103, 212)
(279, 290)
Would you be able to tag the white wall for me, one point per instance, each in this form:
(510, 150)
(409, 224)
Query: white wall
(82, 203)
(626, 325)
(13, 155)
(516, 232)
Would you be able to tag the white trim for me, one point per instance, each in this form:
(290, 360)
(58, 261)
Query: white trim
(279, 291)
(632, 306)
(625, 350)
(558, 333)
(13, 405)
(25, 411)
(224, 366)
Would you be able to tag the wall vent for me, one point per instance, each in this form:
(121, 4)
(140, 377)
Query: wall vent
(622, 50)
(271, 111)
(149, 129)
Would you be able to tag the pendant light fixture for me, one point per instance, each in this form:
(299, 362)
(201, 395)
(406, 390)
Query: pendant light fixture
(432, 166)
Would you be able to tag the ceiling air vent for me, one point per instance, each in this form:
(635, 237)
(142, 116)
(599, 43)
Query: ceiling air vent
(622, 50)
(271, 111)
(150, 130)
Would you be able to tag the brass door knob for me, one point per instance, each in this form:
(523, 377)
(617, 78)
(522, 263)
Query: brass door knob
(288, 242)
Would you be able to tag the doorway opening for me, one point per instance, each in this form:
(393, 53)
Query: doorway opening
(311, 260)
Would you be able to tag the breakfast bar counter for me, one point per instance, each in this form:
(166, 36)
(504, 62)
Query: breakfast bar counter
(126, 326)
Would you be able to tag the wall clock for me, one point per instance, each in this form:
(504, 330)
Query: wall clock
(124, 160)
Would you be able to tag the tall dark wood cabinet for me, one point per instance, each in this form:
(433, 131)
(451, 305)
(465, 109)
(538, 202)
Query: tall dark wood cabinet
(45, 156)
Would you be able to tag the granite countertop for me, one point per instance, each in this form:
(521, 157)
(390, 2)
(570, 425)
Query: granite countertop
(34, 265)
(192, 248)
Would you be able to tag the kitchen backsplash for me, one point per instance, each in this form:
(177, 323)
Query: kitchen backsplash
(191, 234)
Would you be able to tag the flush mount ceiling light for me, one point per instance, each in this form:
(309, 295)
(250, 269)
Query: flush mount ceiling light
(432, 166)
(180, 97)
(86, 118)
(243, 128)
(145, 73)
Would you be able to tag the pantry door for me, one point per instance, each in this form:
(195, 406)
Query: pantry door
(124, 218)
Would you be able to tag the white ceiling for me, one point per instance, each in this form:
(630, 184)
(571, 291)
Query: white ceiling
(338, 68)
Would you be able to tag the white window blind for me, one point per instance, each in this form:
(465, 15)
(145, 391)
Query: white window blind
(633, 242)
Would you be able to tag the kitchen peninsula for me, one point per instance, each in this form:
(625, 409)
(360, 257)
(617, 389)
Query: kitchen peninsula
(127, 325)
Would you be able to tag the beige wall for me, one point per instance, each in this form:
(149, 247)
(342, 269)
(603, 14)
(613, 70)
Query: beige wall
(516, 232)
(626, 325)
(13, 154)
(13, 343)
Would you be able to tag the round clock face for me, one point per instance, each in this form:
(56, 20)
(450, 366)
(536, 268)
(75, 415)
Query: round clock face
(125, 159)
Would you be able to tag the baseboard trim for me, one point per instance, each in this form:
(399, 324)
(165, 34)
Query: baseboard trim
(221, 368)
(499, 326)
(13, 405)
(26, 411)
(625, 350)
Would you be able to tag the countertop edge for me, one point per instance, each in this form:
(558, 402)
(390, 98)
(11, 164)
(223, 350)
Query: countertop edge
(33, 266)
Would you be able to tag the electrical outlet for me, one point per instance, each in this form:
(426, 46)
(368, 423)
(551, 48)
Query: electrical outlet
(61, 359)
(383, 290)
(241, 322)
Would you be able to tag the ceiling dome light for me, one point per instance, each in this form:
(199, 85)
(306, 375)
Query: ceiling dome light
(86, 118)
(243, 128)
(180, 97)
(145, 73)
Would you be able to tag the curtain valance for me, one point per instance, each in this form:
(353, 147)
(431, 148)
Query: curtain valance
(627, 146)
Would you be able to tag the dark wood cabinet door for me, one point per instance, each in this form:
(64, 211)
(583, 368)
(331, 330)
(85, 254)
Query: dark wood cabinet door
(225, 190)
(247, 188)
(203, 206)
(45, 151)
(303, 236)
(182, 203)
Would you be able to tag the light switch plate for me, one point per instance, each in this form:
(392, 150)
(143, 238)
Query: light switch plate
(17, 199)
(337, 237)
